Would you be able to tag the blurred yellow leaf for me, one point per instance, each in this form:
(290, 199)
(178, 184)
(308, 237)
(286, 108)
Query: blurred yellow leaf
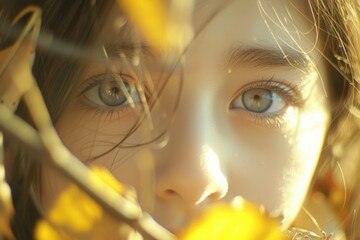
(165, 25)
(75, 210)
(226, 221)
(75, 215)
(105, 176)
(150, 17)
(45, 231)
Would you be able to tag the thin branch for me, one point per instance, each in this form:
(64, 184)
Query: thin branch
(119, 207)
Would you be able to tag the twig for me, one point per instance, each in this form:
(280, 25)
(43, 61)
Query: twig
(119, 207)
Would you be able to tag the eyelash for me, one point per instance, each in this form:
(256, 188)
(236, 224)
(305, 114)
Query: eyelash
(289, 93)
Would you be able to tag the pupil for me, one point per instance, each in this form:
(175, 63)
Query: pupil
(257, 100)
(115, 91)
(111, 94)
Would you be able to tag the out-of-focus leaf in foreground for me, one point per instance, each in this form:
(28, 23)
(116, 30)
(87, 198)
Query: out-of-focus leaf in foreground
(165, 25)
(240, 220)
(150, 17)
(75, 215)
(75, 210)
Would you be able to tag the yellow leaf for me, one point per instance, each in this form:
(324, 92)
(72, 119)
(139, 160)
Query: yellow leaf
(104, 175)
(226, 221)
(78, 216)
(109, 179)
(150, 18)
(75, 210)
(45, 231)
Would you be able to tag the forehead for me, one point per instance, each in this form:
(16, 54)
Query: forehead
(280, 27)
(219, 26)
(279, 22)
(235, 14)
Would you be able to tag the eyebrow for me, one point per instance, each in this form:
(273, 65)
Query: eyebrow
(263, 58)
(114, 49)
(126, 42)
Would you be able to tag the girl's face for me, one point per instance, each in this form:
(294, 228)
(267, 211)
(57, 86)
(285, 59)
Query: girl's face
(244, 113)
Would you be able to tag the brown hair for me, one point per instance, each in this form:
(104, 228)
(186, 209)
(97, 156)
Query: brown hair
(339, 23)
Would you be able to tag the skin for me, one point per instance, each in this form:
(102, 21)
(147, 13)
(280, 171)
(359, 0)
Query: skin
(214, 149)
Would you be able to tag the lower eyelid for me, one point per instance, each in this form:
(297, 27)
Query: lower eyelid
(104, 113)
(275, 122)
(270, 121)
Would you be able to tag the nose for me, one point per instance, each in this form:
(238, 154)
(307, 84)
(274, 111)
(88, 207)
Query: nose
(189, 170)
(192, 180)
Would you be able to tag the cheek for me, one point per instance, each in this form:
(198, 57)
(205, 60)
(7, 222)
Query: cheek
(92, 133)
(52, 183)
(307, 141)
(274, 167)
(93, 138)
(257, 164)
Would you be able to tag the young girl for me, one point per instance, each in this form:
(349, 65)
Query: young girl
(263, 89)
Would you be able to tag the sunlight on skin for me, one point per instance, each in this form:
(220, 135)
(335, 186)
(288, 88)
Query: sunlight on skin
(209, 157)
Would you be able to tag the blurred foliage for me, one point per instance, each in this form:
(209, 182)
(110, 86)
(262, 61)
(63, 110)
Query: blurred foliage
(150, 18)
(242, 220)
(165, 25)
(75, 215)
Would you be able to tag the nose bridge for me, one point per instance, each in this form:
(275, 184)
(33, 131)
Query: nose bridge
(190, 168)
(193, 127)
(194, 117)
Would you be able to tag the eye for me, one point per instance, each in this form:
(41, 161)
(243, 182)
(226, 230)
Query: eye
(262, 100)
(111, 94)
(110, 91)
